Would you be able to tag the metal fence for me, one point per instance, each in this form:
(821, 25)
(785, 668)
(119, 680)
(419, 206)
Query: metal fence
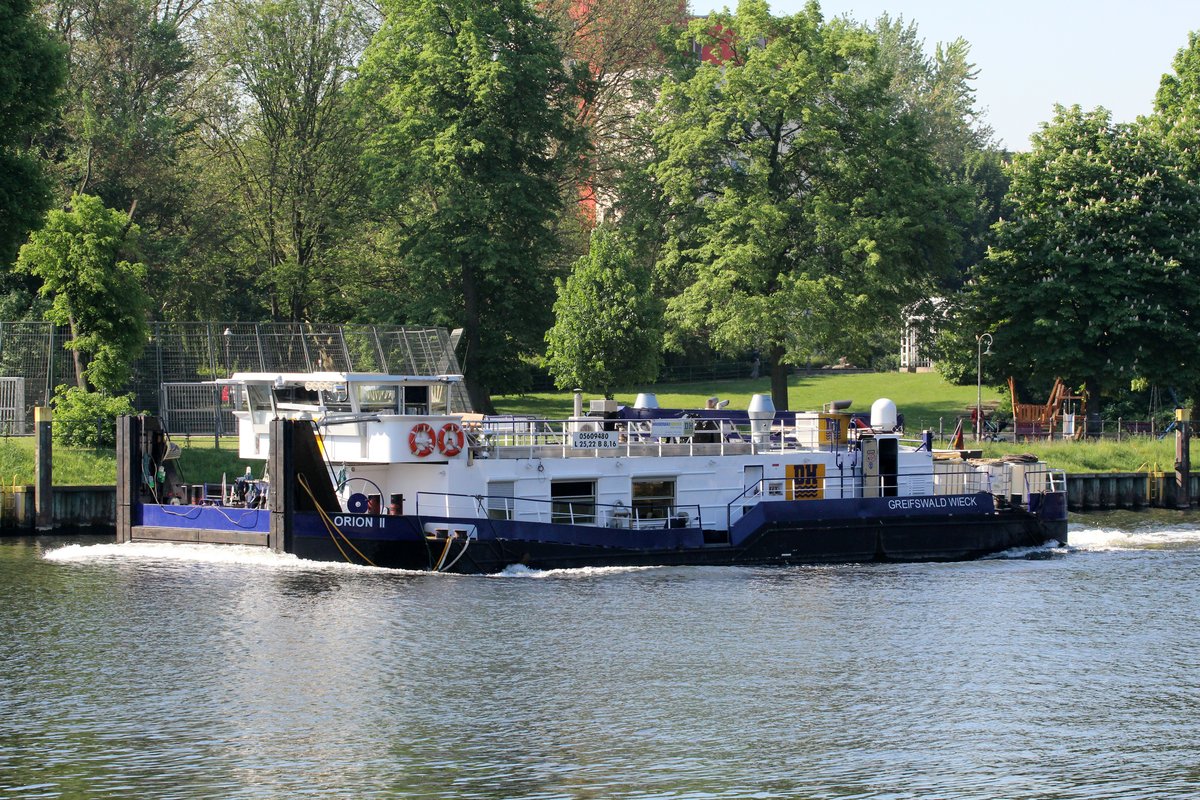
(12, 406)
(169, 377)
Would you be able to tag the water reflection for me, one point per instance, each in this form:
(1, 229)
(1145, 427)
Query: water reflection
(217, 673)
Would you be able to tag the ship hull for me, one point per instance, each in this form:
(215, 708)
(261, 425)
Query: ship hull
(484, 546)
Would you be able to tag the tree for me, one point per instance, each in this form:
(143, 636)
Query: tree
(32, 71)
(286, 145)
(1178, 99)
(606, 321)
(1176, 121)
(619, 44)
(939, 87)
(470, 114)
(82, 258)
(807, 205)
(129, 134)
(1090, 277)
(119, 134)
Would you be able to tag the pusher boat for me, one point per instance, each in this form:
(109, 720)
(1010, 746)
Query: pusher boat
(374, 469)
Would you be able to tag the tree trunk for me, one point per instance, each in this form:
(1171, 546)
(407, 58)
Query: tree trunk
(77, 358)
(779, 379)
(477, 392)
(1091, 396)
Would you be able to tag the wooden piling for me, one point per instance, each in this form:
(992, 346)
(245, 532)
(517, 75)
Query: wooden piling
(44, 468)
(282, 496)
(128, 473)
(1183, 458)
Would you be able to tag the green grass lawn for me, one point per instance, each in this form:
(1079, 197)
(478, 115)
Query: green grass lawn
(925, 399)
(1136, 454)
(201, 461)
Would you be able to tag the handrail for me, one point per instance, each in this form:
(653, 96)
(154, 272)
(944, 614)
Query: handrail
(1055, 480)
(940, 482)
(524, 435)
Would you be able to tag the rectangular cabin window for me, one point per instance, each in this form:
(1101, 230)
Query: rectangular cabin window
(259, 397)
(234, 398)
(416, 399)
(573, 502)
(500, 499)
(382, 398)
(437, 398)
(653, 498)
(336, 399)
(293, 396)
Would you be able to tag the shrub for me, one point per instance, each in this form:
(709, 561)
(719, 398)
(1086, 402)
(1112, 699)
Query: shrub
(88, 419)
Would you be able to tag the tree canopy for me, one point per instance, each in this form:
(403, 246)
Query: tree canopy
(470, 115)
(605, 332)
(32, 70)
(82, 258)
(1091, 276)
(807, 205)
(789, 185)
(287, 146)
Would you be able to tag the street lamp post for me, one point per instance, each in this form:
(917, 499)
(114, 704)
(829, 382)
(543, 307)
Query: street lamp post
(979, 354)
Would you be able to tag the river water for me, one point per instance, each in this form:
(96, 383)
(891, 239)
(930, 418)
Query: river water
(171, 671)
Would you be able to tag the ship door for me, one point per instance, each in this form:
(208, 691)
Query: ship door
(754, 487)
(889, 465)
(881, 461)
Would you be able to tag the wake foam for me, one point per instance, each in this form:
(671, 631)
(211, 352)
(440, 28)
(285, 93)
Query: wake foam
(1153, 537)
(178, 553)
(171, 551)
(522, 571)
(1048, 550)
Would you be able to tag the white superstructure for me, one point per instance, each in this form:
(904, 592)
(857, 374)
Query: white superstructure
(392, 438)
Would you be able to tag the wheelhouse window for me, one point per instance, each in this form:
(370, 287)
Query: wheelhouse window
(653, 498)
(573, 502)
(292, 395)
(235, 398)
(416, 399)
(258, 397)
(336, 398)
(437, 397)
(378, 397)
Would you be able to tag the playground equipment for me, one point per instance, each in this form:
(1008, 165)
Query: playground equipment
(1034, 421)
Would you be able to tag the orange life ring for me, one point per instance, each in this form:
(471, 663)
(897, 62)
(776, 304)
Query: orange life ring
(450, 439)
(421, 440)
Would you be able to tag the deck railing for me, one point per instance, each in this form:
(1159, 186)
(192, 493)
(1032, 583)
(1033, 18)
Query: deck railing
(943, 480)
(526, 437)
(564, 511)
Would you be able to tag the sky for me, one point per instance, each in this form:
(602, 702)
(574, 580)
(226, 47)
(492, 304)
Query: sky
(1031, 55)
